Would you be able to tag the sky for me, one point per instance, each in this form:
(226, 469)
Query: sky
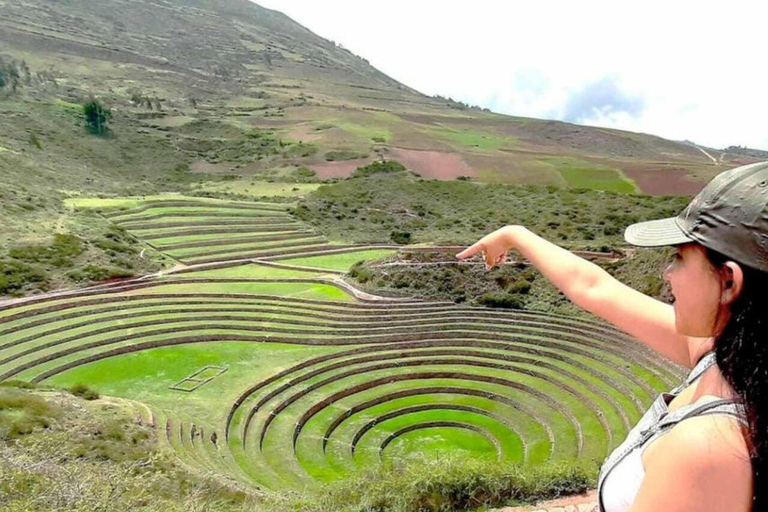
(677, 69)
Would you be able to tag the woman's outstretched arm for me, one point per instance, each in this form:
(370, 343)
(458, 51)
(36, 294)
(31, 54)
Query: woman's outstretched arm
(591, 288)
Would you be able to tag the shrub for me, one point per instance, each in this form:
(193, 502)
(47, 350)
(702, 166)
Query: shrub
(520, 286)
(84, 392)
(383, 166)
(16, 276)
(343, 154)
(97, 273)
(59, 253)
(22, 412)
(299, 150)
(400, 237)
(500, 300)
(96, 117)
(451, 483)
(302, 175)
(360, 273)
(19, 384)
(35, 141)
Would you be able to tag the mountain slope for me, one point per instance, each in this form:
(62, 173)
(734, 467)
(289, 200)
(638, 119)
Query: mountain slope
(164, 65)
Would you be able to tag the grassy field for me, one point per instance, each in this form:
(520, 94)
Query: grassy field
(581, 174)
(337, 261)
(261, 188)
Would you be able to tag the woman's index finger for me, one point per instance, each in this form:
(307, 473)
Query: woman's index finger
(470, 251)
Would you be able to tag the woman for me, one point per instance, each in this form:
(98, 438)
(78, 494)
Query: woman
(703, 446)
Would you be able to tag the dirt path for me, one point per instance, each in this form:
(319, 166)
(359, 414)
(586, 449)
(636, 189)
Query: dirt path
(714, 160)
(580, 503)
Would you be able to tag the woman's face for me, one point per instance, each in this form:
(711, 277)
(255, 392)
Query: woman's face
(697, 290)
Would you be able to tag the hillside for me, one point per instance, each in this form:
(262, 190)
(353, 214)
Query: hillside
(229, 99)
(248, 66)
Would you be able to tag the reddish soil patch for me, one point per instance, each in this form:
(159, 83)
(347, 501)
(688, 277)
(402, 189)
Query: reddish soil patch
(340, 169)
(662, 182)
(432, 164)
(304, 133)
(205, 167)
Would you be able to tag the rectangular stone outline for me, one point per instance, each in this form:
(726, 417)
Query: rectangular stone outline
(179, 386)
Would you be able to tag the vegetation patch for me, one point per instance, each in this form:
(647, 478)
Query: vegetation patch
(21, 412)
(468, 138)
(581, 174)
(343, 154)
(368, 132)
(261, 189)
(341, 262)
(371, 207)
(451, 483)
(439, 276)
(16, 278)
(379, 167)
(73, 456)
(84, 392)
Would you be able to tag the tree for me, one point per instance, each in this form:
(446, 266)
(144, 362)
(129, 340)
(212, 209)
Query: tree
(9, 74)
(96, 117)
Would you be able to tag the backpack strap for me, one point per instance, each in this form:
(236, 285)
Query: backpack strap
(704, 363)
(737, 410)
(732, 406)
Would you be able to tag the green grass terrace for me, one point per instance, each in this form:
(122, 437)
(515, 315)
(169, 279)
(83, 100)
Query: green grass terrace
(285, 378)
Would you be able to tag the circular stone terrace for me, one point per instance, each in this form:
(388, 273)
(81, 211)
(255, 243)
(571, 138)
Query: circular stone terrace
(283, 376)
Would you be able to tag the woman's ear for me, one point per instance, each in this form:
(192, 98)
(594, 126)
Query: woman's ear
(733, 282)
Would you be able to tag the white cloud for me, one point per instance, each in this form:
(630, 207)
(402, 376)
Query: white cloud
(693, 67)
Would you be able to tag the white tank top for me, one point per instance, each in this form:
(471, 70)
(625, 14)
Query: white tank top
(623, 472)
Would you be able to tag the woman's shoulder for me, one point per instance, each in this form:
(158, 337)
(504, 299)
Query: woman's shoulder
(720, 435)
(702, 463)
(704, 442)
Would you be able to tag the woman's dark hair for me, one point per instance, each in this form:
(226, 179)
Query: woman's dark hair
(741, 351)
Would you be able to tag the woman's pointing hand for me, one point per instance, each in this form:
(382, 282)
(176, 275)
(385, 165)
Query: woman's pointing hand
(493, 246)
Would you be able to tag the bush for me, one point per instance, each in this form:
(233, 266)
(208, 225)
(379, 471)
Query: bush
(84, 392)
(342, 154)
(360, 273)
(302, 175)
(500, 300)
(59, 253)
(16, 276)
(381, 167)
(400, 237)
(22, 412)
(96, 117)
(34, 141)
(97, 273)
(451, 483)
(18, 384)
(299, 150)
(520, 286)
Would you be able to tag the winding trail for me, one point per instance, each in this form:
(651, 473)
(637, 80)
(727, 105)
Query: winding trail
(714, 160)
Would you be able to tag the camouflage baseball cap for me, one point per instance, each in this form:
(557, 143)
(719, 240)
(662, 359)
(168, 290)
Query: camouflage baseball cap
(729, 216)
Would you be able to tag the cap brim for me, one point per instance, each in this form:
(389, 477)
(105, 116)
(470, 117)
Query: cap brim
(656, 233)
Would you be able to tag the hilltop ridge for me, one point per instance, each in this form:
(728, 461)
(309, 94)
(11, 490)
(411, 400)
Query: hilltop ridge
(235, 61)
